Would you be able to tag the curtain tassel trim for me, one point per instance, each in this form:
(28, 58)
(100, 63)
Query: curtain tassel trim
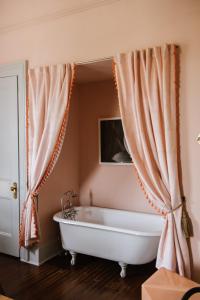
(186, 223)
(61, 135)
(157, 209)
(24, 239)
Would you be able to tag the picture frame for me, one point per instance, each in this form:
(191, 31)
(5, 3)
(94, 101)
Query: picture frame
(113, 149)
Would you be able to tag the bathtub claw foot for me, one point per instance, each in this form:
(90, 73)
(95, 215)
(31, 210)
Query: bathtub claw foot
(73, 260)
(123, 269)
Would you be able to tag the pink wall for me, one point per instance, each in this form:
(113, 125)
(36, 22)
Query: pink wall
(103, 185)
(59, 31)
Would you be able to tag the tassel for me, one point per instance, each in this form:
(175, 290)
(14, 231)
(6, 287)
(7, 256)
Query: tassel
(186, 221)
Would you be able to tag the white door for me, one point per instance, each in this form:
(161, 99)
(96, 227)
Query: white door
(9, 166)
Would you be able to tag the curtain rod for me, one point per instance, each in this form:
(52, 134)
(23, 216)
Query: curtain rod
(87, 62)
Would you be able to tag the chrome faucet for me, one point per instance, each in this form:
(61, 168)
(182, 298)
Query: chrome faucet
(68, 210)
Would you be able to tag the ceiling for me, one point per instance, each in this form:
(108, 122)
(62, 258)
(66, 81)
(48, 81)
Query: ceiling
(96, 71)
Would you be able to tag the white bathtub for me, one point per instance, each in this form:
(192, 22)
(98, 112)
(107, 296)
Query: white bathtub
(122, 236)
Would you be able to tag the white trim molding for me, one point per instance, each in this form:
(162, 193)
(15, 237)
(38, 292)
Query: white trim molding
(56, 15)
(49, 250)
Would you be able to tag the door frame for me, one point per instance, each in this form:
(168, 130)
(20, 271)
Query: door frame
(19, 69)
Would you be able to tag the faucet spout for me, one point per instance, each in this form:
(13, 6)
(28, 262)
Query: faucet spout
(68, 210)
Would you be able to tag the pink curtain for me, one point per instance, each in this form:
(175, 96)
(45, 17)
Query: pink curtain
(147, 91)
(49, 90)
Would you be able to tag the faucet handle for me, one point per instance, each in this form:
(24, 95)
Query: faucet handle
(75, 195)
(67, 200)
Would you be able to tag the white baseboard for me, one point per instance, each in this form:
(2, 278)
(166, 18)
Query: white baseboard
(49, 250)
(43, 253)
(31, 262)
(30, 256)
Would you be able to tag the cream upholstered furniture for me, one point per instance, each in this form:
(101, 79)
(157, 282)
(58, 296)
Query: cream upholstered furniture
(4, 298)
(168, 285)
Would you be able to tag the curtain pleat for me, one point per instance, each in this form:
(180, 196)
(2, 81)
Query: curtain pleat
(49, 91)
(146, 84)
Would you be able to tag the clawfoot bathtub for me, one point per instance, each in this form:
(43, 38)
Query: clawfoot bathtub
(122, 236)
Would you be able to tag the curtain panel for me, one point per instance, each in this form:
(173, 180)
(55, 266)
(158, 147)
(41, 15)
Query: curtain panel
(148, 95)
(49, 92)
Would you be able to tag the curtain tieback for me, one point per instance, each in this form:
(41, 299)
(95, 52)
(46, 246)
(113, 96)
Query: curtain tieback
(174, 209)
(34, 195)
(185, 219)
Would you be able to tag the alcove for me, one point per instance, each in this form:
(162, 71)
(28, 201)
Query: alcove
(106, 185)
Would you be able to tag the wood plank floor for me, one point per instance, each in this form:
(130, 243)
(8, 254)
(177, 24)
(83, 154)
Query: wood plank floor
(91, 279)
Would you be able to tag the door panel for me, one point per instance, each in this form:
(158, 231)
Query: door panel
(9, 165)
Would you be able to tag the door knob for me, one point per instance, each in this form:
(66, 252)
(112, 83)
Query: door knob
(13, 189)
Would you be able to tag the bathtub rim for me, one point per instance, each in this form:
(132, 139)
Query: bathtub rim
(58, 218)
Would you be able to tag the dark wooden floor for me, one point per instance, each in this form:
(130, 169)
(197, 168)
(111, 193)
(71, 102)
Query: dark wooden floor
(91, 279)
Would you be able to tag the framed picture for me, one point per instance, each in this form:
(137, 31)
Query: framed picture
(113, 148)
